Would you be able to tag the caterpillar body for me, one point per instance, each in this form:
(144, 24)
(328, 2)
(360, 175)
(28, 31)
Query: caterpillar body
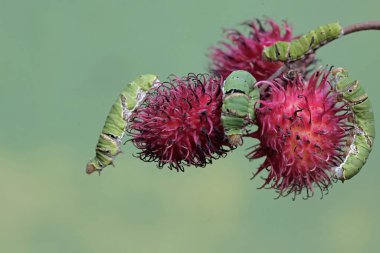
(297, 49)
(110, 139)
(352, 93)
(240, 96)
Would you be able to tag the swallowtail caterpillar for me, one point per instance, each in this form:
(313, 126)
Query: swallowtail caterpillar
(352, 92)
(239, 99)
(297, 49)
(117, 120)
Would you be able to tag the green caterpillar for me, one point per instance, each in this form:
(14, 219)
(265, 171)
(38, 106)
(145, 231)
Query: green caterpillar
(306, 44)
(351, 92)
(240, 96)
(114, 128)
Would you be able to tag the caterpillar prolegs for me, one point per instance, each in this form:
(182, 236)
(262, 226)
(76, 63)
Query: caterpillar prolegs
(110, 139)
(353, 94)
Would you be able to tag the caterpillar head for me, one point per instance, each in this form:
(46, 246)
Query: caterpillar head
(339, 73)
(235, 139)
(347, 88)
(93, 166)
(266, 53)
(338, 173)
(239, 80)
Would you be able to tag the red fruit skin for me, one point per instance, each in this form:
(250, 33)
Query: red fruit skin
(179, 123)
(302, 131)
(245, 52)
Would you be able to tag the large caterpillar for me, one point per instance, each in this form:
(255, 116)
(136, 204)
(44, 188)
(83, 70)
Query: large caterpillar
(352, 92)
(306, 44)
(240, 96)
(114, 128)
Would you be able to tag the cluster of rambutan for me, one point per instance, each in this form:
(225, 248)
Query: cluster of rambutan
(301, 127)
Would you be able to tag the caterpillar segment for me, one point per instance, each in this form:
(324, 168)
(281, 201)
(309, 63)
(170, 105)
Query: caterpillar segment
(297, 49)
(353, 94)
(239, 100)
(108, 146)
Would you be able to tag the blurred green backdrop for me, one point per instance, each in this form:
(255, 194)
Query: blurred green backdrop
(62, 64)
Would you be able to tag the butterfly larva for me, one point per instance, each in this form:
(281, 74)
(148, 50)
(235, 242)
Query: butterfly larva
(114, 128)
(240, 96)
(352, 92)
(306, 44)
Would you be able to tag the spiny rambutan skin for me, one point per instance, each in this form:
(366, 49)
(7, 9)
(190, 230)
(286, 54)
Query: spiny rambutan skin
(302, 131)
(179, 123)
(245, 52)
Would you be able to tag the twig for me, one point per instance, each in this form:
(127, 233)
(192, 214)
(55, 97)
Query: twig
(370, 25)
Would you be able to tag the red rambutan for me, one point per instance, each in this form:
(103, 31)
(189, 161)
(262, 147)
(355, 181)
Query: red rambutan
(179, 123)
(302, 130)
(245, 52)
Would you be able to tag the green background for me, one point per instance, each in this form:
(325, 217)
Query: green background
(63, 63)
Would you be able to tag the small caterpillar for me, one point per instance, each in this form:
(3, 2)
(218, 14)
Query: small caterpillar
(352, 92)
(297, 49)
(240, 96)
(114, 128)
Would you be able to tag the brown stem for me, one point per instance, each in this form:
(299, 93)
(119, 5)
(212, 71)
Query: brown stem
(278, 72)
(370, 25)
